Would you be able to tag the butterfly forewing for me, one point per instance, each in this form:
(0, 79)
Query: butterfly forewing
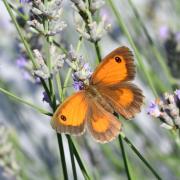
(71, 116)
(116, 67)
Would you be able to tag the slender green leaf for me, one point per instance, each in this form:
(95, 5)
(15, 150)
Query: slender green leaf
(18, 99)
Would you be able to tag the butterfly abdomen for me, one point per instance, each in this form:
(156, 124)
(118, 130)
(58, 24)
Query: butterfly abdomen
(94, 95)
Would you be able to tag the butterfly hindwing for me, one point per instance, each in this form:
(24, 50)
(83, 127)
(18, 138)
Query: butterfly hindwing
(126, 98)
(103, 125)
(116, 67)
(70, 117)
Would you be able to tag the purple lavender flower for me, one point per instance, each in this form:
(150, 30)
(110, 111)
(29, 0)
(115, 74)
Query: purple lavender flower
(21, 62)
(164, 32)
(87, 70)
(167, 110)
(26, 75)
(78, 85)
(153, 109)
(45, 97)
(104, 13)
(81, 77)
(177, 92)
(37, 80)
(25, 1)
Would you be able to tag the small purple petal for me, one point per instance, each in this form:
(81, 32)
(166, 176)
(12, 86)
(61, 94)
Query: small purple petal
(21, 10)
(21, 62)
(104, 13)
(153, 110)
(87, 68)
(37, 80)
(78, 85)
(164, 32)
(26, 75)
(177, 92)
(45, 97)
(25, 1)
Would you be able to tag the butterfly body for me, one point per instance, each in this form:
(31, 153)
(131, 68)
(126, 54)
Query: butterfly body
(93, 94)
(109, 90)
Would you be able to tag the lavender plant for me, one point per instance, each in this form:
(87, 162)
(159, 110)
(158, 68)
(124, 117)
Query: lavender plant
(167, 110)
(53, 61)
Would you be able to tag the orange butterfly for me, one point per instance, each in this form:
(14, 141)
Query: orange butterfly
(108, 91)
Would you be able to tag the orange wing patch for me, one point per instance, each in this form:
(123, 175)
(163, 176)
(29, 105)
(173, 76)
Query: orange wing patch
(70, 117)
(125, 98)
(103, 126)
(116, 67)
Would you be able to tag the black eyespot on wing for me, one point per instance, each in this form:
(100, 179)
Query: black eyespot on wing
(117, 59)
(63, 117)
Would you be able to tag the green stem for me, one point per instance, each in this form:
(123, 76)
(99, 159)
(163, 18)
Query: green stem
(59, 86)
(124, 158)
(58, 80)
(70, 70)
(79, 43)
(18, 99)
(139, 58)
(98, 52)
(152, 44)
(72, 157)
(140, 156)
(62, 155)
(65, 83)
(59, 46)
(176, 136)
(59, 136)
(78, 158)
(48, 41)
(20, 34)
(24, 17)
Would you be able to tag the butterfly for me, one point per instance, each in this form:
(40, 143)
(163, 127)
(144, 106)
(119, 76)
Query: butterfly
(109, 90)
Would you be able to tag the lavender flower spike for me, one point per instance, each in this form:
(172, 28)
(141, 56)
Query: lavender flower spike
(153, 110)
(167, 110)
(81, 70)
(81, 77)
